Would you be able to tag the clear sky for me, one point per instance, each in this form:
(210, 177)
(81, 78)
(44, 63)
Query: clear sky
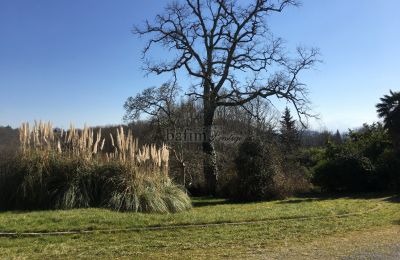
(77, 61)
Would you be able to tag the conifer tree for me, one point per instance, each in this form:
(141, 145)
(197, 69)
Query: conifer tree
(337, 138)
(290, 136)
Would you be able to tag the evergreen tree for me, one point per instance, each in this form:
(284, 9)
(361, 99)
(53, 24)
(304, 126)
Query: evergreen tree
(337, 138)
(290, 136)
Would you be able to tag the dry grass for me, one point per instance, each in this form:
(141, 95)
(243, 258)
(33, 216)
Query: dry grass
(89, 145)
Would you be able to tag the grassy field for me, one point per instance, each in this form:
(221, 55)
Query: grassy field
(285, 224)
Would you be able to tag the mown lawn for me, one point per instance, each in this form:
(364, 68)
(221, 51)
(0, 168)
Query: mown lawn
(239, 241)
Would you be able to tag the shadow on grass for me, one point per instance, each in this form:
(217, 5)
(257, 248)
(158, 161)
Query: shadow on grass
(394, 199)
(310, 197)
(390, 197)
(210, 201)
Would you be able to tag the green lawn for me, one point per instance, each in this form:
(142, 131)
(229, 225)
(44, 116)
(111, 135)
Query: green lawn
(198, 242)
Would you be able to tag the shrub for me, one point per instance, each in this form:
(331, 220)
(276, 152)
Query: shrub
(366, 161)
(387, 176)
(346, 173)
(310, 157)
(297, 178)
(259, 171)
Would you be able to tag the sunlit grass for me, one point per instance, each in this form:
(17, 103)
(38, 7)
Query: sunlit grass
(233, 241)
(205, 211)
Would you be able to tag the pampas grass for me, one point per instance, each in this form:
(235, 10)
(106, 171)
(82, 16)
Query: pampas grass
(133, 191)
(89, 145)
(68, 169)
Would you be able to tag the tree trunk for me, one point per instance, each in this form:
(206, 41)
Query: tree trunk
(210, 159)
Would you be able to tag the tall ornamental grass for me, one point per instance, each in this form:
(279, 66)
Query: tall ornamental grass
(69, 169)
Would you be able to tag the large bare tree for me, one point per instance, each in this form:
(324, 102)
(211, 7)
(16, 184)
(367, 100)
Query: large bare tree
(230, 55)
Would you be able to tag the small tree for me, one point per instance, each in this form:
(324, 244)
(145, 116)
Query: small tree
(290, 135)
(337, 138)
(229, 53)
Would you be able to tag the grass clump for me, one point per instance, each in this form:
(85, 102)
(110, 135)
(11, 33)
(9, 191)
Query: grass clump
(143, 192)
(68, 170)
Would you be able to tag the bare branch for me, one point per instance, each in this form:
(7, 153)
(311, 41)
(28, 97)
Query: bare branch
(152, 101)
(215, 41)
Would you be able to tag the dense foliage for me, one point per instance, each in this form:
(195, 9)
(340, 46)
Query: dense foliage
(263, 173)
(366, 161)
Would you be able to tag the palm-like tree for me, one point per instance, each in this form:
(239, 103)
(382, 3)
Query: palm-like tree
(389, 110)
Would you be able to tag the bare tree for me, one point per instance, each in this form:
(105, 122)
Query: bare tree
(231, 56)
(161, 106)
(155, 101)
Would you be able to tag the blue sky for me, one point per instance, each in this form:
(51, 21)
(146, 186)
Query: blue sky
(77, 61)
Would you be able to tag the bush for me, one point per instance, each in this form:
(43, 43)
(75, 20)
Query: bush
(366, 161)
(346, 173)
(259, 172)
(297, 178)
(387, 176)
(310, 157)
